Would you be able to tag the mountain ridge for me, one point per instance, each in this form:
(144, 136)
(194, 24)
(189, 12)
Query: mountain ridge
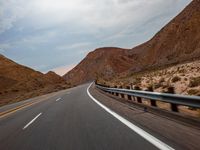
(175, 43)
(18, 82)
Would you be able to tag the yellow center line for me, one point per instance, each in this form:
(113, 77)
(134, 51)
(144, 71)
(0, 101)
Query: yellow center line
(13, 110)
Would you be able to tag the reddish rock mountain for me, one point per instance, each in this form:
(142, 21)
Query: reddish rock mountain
(177, 42)
(102, 62)
(13, 74)
(54, 78)
(18, 82)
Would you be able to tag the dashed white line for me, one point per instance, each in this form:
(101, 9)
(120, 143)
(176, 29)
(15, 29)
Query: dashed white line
(153, 140)
(31, 121)
(58, 99)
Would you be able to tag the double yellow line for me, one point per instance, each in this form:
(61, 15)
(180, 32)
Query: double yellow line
(13, 110)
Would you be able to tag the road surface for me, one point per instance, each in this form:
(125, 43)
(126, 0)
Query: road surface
(69, 120)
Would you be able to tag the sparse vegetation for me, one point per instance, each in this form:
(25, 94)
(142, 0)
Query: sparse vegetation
(157, 85)
(161, 80)
(176, 79)
(136, 80)
(150, 88)
(137, 87)
(193, 92)
(171, 90)
(194, 81)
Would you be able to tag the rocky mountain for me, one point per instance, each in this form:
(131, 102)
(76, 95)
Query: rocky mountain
(102, 62)
(54, 78)
(17, 80)
(177, 42)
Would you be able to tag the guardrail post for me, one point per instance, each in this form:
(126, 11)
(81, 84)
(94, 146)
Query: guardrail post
(117, 94)
(139, 99)
(109, 91)
(174, 107)
(133, 98)
(114, 92)
(129, 96)
(122, 95)
(153, 102)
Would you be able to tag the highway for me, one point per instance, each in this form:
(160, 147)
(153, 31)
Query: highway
(71, 120)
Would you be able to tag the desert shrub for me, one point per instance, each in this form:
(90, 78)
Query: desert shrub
(161, 80)
(182, 71)
(176, 79)
(150, 88)
(170, 89)
(137, 87)
(185, 79)
(157, 85)
(194, 81)
(182, 74)
(147, 81)
(136, 81)
(193, 92)
(165, 86)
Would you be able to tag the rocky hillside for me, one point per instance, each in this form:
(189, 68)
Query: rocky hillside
(19, 82)
(54, 78)
(177, 42)
(103, 62)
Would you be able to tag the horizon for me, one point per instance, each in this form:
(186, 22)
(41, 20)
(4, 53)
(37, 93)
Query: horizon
(56, 37)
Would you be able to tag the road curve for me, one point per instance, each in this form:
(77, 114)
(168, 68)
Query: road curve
(71, 120)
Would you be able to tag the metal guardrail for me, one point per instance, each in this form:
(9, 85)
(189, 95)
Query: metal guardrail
(173, 99)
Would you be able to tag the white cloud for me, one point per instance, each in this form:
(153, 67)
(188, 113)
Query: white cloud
(1, 50)
(93, 14)
(81, 45)
(4, 46)
(65, 30)
(10, 12)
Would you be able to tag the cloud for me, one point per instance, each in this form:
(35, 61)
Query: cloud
(4, 46)
(10, 12)
(80, 45)
(1, 50)
(55, 33)
(93, 14)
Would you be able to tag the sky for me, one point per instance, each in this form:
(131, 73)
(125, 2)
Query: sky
(57, 34)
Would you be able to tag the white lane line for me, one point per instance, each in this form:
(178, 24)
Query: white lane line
(153, 140)
(58, 99)
(31, 121)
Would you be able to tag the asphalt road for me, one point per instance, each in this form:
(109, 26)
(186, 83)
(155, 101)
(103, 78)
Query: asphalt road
(70, 120)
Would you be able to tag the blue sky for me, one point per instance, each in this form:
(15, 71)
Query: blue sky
(58, 34)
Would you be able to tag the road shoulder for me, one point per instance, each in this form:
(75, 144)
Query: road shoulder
(179, 136)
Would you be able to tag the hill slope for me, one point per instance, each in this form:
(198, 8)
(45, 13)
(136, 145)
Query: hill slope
(177, 42)
(54, 78)
(102, 62)
(19, 82)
